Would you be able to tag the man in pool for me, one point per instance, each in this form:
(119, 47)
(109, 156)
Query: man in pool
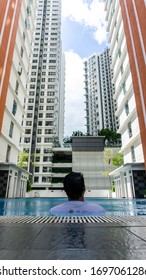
(74, 187)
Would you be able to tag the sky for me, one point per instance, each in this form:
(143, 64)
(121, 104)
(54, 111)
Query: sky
(83, 33)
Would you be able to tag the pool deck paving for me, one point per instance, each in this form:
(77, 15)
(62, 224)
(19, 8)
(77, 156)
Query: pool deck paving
(73, 241)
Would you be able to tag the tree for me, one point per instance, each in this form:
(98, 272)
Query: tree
(77, 133)
(108, 155)
(117, 160)
(28, 189)
(112, 160)
(56, 142)
(23, 159)
(112, 138)
(67, 140)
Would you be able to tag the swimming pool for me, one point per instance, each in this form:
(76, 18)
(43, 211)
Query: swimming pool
(41, 206)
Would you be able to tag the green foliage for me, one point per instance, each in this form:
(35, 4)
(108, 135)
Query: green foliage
(144, 192)
(108, 154)
(61, 169)
(28, 189)
(106, 172)
(113, 187)
(67, 140)
(77, 133)
(23, 159)
(112, 138)
(117, 160)
(56, 142)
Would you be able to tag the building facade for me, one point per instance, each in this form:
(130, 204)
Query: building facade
(99, 90)
(44, 120)
(127, 39)
(16, 25)
(86, 156)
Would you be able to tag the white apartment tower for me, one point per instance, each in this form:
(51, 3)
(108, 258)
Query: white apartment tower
(44, 122)
(127, 40)
(99, 90)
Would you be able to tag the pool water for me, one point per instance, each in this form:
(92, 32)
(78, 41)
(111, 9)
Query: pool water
(41, 206)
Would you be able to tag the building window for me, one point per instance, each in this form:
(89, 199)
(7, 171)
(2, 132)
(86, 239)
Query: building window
(36, 179)
(30, 100)
(21, 52)
(28, 123)
(37, 169)
(129, 129)
(46, 159)
(118, 53)
(123, 87)
(8, 153)
(16, 87)
(122, 69)
(19, 69)
(39, 131)
(37, 159)
(11, 129)
(24, 36)
(14, 109)
(47, 150)
(29, 115)
(133, 154)
(40, 123)
(46, 169)
(38, 150)
(27, 131)
(45, 179)
(127, 108)
(27, 140)
(49, 115)
(26, 150)
(39, 140)
(30, 108)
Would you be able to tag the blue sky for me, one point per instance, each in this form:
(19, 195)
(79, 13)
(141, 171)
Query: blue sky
(83, 33)
(78, 38)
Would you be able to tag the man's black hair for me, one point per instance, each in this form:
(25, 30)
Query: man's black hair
(74, 185)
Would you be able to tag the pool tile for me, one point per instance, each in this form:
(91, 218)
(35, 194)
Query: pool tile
(72, 241)
(71, 254)
(139, 231)
(13, 236)
(82, 237)
(8, 254)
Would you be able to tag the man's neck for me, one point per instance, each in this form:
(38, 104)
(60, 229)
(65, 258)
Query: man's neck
(79, 199)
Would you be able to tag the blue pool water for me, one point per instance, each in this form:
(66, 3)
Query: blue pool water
(41, 206)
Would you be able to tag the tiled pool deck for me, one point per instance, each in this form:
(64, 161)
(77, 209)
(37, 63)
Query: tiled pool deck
(68, 241)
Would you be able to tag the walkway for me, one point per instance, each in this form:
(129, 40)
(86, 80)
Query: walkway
(23, 238)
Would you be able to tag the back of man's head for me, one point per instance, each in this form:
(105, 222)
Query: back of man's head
(74, 185)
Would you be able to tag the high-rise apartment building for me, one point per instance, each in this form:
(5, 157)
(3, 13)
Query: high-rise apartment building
(44, 122)
(99, 90)
(16, 25)
(127, 39)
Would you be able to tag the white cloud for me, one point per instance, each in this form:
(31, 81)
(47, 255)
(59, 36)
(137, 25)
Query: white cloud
(74, 94)
(91, 16)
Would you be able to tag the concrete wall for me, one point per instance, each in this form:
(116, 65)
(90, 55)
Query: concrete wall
(59, 193)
